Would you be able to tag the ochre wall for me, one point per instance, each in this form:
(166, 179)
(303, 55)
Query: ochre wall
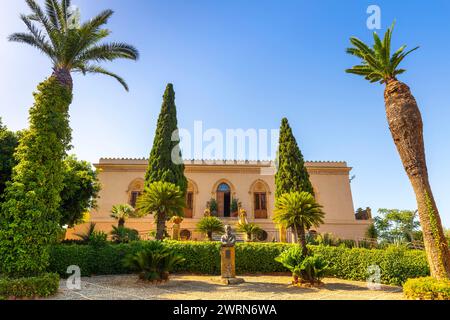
(330, 181)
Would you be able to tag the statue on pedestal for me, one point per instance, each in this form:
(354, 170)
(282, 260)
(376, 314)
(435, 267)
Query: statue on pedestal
(228, 239)
(228, 258)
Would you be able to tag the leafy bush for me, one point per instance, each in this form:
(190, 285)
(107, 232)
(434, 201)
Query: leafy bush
(209, 225)
(40, 286)
(309, 269)
(427, 289)
(124, 235)
(291, 258)
(153, 264)
(397, 264)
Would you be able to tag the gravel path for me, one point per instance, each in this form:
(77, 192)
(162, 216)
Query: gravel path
(192, 287)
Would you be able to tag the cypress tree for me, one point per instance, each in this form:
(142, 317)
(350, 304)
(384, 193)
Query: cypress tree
(165, 163)
(291, 175)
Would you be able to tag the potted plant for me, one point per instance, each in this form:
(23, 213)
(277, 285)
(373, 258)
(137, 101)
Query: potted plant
(235, 208)
(213, 207)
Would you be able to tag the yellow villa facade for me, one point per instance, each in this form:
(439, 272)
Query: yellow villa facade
(251, 182)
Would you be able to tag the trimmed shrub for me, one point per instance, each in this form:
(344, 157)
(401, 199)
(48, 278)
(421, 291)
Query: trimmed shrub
(427, 289)
(396, 264)
(40, 286)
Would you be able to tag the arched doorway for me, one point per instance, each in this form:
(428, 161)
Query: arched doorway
(224, 200)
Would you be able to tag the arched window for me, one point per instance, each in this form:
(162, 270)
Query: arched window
(135, 189)
(223, 187)
(190, 199)
(260, 193)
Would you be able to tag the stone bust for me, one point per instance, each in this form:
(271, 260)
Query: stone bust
(228, 239)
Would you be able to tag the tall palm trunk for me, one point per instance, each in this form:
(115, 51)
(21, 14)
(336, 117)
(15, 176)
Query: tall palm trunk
(301, 238)
(64, 77)
(160, 226)
(405, 123)
(121, 223)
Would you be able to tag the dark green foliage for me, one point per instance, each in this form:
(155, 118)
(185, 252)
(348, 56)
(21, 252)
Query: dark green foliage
(153, 264)
(29, 219)
(163, 200)
(305, 269)
(81, 187)
(42, 286)
(427, 289)
(292, 175)
(166, 162)
(8, 143)
(124, 235)
(210, 225)
(396, 264)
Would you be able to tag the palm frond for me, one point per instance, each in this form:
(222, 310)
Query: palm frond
(377, 63)
(108, 52)
(93, 69)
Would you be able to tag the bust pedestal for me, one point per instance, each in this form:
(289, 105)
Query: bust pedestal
(228, 266)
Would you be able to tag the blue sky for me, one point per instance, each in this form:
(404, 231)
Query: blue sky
(247, 64)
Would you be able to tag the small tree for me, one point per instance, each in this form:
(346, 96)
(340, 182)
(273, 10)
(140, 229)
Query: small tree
(250, 229)
(395, 225)
(371, 232)
(81, 188)
(121, 212)
(210, 225)
(299, 211)
(164, 200)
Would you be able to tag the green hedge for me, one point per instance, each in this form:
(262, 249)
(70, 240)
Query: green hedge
(396, 264)
(427, 289)
(42, 286)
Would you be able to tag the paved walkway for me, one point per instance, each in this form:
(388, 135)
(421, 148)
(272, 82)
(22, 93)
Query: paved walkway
(190, 287)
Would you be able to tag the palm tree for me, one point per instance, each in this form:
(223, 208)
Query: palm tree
(122, 212)
(299, 211)
(210, 225)
(250, 229)
(406, 126)
(164, 200)
(72, 47)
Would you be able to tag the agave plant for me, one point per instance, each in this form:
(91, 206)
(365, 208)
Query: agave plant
(154, 263)
(124, 235)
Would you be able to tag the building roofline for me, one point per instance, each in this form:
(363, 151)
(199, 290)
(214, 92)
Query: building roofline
(198, 162)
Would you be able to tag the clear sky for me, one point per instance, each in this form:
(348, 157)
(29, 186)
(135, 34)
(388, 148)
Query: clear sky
(247, 64)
